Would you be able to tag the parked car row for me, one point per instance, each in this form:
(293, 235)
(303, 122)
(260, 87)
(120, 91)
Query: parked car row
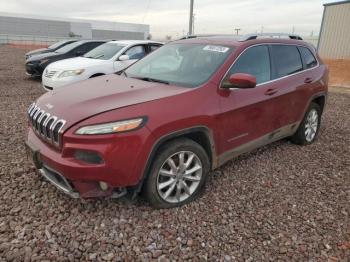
(160, 125)
(105, 59)
(80, 60)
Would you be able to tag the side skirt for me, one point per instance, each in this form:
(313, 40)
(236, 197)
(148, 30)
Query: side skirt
(276, 135)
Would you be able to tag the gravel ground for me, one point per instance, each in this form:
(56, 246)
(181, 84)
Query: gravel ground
(282, 202)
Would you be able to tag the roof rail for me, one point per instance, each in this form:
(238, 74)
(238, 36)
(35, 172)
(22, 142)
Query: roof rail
(203, 36)
(269, 35)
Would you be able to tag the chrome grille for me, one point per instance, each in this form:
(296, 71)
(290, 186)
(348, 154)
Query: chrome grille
(45, 125)
(50, 74)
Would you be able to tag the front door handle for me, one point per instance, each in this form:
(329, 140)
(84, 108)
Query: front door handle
(308, 80)
(270, 92)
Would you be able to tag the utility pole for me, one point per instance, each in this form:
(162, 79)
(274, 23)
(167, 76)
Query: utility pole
(190, 26)
(193, 22)
(237, 30)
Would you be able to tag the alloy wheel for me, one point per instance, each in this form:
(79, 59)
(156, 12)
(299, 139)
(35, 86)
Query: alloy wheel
(179, 176)
(311, 125)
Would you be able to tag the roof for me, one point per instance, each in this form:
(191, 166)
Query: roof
(90, 40)
(337, 3)
(132, 42)
(235, 42)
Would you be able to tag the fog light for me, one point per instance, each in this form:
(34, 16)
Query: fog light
(88, 157)
(103, 186)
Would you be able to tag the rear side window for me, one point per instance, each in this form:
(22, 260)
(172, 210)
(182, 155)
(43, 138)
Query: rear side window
(136, 52)
(254, 61)
(308, 58)
(153, 48)
(286, 59)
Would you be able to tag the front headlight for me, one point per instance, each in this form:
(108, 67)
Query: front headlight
(71, 73)
(109, 128)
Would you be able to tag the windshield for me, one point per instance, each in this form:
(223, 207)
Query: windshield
(55, 45)
(105, 51)
(181, 64)
(68, 47)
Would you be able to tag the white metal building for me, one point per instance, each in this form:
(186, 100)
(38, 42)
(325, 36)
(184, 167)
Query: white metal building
(39, 26)
(334, 41)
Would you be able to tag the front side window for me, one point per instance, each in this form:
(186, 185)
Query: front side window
(254, 61)
(136, 52)
(187, 65)
(286, 60)
(308, 58)
(105, 51)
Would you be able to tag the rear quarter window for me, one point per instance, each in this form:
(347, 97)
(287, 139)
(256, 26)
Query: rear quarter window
(308, 58)
(286, 60)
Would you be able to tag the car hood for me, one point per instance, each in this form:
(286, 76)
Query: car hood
(82, 100)
(42, 56)
(37, 51)
(77, 63)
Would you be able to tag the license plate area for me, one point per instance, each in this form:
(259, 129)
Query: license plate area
(33, 154)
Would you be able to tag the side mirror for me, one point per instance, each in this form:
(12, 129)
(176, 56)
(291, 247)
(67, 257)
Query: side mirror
(240, 80)
(123, 58)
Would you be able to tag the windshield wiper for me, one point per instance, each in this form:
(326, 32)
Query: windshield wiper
(149, 79)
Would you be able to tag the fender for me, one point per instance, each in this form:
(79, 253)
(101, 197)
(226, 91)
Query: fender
(312, 98)
(179, 133)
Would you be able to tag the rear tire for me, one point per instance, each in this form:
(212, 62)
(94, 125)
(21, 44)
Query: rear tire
(309, 127)
(178, 174)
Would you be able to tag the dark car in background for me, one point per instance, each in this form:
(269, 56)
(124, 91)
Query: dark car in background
(49, 49)
(36, 64)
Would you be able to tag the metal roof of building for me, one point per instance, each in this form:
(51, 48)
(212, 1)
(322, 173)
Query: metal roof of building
(337, 3)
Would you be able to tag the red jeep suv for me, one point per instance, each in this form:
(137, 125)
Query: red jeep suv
(164, 123)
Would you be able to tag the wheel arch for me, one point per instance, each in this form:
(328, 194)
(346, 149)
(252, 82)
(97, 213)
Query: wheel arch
(320, 100)
(199, 134)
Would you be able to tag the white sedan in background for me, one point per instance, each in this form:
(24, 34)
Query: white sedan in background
(107, 58)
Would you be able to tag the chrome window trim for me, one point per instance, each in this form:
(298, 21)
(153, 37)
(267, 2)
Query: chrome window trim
(273, 80)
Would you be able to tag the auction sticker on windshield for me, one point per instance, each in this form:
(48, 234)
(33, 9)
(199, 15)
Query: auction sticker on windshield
(216, 48)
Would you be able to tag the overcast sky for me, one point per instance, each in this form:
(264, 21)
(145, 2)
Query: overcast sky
(171, 16)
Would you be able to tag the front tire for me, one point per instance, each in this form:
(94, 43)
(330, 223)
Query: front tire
(309, 127)
(178, 174)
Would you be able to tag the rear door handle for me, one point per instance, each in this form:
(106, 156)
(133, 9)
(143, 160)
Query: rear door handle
(308, 80)
(270, 92)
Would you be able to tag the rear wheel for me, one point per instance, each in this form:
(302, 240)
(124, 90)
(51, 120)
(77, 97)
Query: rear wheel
(178, 174)
(309, 127)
